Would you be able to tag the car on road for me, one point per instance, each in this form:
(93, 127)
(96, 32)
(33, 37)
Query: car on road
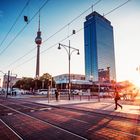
(45, 91)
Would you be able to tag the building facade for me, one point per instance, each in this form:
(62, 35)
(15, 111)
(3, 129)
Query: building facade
(64, 78)
(12, 81)
(99, 48)
(77, 81)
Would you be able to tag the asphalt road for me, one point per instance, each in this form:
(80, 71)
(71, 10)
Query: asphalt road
(25, 120)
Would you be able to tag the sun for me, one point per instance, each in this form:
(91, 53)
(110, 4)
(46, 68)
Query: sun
(136, 80)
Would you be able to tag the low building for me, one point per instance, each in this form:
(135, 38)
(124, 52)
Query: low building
(12, 80)
(77, 81)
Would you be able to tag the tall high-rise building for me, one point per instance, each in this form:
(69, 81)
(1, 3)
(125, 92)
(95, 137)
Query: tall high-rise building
(99, 48)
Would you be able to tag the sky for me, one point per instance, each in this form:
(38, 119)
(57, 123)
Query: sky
(18, 50)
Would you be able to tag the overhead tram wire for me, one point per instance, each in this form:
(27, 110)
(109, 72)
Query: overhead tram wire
(58, 31)
(84, 27)
(42, 52)
(27, 3)
(45, 50)
(21, 57)
(77, 31)
(117, 7)
(72, 21)
(110, 11)
(23, 28)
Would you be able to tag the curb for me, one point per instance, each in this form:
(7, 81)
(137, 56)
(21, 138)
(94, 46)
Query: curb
(109, 113)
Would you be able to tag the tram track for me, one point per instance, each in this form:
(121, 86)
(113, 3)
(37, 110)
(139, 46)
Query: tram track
(44, 122)
(81, 110)
(18, 136)
(114, 127)
(77, 110)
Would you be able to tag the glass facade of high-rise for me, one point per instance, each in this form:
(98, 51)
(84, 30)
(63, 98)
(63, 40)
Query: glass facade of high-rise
(99, 48)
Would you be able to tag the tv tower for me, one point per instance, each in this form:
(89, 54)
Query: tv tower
(38, 41)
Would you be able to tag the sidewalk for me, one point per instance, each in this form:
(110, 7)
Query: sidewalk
(105, 106)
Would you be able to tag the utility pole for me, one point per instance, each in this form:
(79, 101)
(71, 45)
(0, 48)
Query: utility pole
(49, 87)
(69, 55)
(7, 84)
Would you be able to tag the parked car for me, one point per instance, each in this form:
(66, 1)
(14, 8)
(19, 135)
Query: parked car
(43, 91)
(75, 92)
(106, 94)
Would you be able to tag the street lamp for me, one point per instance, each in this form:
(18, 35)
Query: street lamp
(69, 51)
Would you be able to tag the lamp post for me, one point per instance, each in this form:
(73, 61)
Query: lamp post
(49, 87)
(69, 51)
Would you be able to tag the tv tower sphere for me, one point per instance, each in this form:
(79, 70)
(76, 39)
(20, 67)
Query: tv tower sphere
(38, 39)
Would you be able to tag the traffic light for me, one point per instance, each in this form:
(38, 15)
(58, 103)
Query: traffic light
(73, 32)
(26, 19)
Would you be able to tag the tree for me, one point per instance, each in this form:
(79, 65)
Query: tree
(25, 83)
(28, 83)
(47, 80)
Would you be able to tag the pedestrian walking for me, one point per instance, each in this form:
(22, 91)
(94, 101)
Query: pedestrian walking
(116, 98)
(56, 95)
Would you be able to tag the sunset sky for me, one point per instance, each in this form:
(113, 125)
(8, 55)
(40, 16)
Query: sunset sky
(18, 50)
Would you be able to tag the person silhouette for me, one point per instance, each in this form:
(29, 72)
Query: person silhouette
(56, 94)
(116, 98)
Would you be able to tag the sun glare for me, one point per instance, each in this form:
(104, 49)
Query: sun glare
(136, 80)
